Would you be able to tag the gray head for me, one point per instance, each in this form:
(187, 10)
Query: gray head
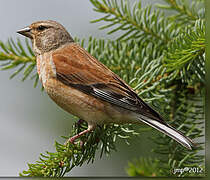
(46, 35)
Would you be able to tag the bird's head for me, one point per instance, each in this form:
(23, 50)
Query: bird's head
(46, 35)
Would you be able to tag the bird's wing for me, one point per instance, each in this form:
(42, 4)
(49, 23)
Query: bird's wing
(75, 67)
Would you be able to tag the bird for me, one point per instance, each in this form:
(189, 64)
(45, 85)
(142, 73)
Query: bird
(84, 87)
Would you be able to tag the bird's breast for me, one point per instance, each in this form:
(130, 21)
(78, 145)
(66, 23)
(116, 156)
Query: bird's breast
(45, 68)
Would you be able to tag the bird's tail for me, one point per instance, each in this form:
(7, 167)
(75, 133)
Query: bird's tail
(169, 131)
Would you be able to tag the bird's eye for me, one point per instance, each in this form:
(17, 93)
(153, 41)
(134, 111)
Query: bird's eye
(41, 28)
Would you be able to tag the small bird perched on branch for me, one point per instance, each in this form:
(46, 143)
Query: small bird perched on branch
(86, 88)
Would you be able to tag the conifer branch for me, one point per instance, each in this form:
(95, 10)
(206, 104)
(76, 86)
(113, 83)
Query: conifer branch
(137, 22)
(187, 11)
(16, 57)
(68, 156)
(185, 54)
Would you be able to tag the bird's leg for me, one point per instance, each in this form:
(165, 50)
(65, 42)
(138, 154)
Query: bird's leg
(72, 139)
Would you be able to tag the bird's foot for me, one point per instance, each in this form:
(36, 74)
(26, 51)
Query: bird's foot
(72, 139)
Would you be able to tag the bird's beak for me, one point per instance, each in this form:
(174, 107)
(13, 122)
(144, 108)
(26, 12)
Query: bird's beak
(26, 32)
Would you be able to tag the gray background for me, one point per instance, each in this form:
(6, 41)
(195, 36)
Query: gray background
(29, 120)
